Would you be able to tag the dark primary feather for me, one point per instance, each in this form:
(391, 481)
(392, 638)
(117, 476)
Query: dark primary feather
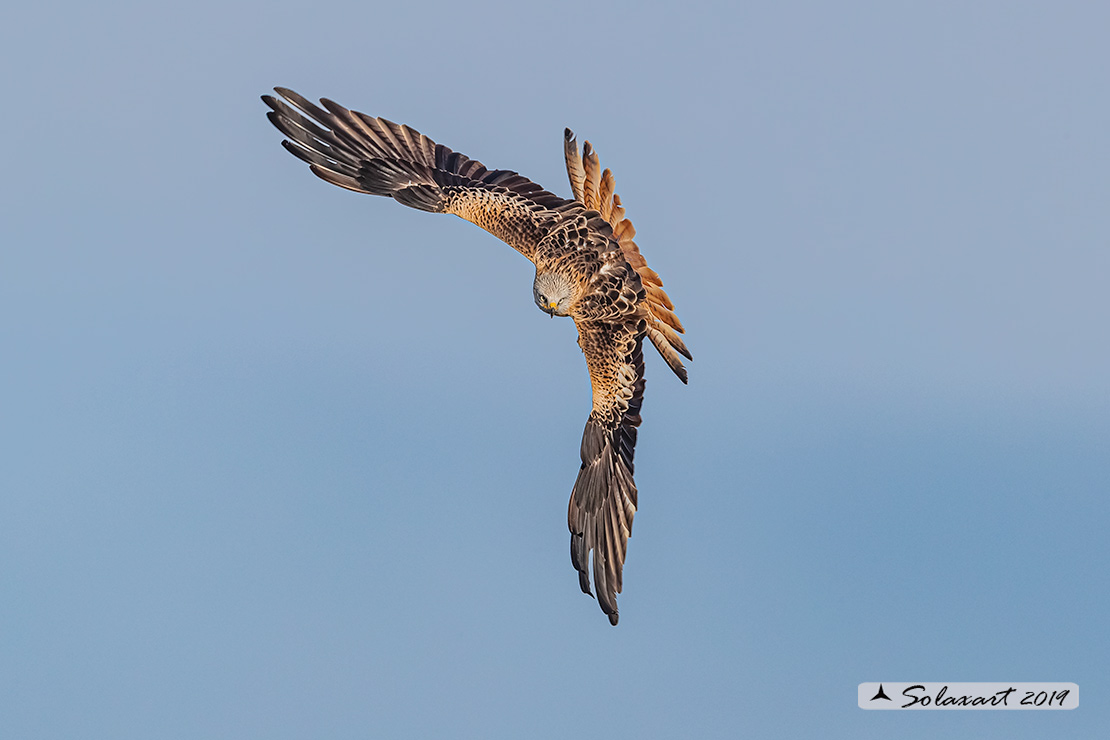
(379, 157)
(603, 502)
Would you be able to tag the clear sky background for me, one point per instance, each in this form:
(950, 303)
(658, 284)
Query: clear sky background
(281, 461)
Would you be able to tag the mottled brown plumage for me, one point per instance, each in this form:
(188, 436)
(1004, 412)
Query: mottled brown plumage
(587, 267)
(595, 190)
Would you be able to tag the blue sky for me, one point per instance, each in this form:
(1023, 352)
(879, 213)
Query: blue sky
(281, 461)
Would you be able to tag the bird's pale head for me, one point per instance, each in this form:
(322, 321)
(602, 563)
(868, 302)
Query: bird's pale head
(554, 293)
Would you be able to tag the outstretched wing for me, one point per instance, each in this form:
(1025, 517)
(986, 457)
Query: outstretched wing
(379, 157)
(594, 188)
(604, 498)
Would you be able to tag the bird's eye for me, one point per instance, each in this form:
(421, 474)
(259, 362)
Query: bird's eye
(543, 299)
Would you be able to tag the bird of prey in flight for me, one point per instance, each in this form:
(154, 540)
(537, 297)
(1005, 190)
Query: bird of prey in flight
(587, 267)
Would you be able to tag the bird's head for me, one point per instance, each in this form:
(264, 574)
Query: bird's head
(554, 293)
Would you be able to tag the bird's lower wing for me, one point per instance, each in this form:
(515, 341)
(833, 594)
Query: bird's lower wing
(603, 502)
(379, 157)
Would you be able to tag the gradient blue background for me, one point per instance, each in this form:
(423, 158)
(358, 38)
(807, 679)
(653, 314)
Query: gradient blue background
(280, 461)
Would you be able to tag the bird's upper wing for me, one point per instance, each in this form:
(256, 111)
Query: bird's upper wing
(594, 188)
(376, 156)
(604, 498)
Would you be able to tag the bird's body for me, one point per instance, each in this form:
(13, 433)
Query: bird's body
(587, 267)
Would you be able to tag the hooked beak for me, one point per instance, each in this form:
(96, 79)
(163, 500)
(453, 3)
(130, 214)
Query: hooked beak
(551, 308)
